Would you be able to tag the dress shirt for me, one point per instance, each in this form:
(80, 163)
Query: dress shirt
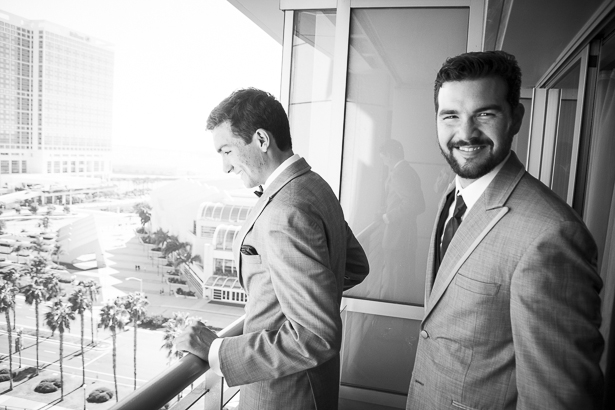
(472, 192)
(214, 356)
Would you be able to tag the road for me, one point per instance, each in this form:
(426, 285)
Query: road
(151, 360)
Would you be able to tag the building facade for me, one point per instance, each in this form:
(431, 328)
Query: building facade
(56, 91)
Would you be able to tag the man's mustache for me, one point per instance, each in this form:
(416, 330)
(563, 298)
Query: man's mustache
(472, 141)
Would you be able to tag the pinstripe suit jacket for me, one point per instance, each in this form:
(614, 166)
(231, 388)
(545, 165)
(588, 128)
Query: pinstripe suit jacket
(512, 317)
(288, 356)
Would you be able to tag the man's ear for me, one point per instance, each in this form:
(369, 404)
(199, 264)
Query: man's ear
(518, 113)
(263, 138)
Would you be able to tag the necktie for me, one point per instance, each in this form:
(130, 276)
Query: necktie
(259, 191)
(452, 225)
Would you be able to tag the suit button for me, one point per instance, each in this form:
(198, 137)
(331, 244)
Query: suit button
(424, 334)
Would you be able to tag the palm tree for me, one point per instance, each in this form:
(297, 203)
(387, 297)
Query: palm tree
(172, 328)
(173, 245)
(136, 304)
(185, 258)
(44, 223)
(52, 285)
(35, 294)
(7, 302)
(38, 266)
(113, 316)
(91, 289)
(12, 276)
(59, 317)
(160, 238)
(57, 251)
(80, 303)
(38, 246)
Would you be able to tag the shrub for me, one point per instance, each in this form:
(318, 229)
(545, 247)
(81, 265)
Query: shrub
(45, 387)
(177, 280)
(179, 291)
(154, 322)
(53, 380)
(100, 395)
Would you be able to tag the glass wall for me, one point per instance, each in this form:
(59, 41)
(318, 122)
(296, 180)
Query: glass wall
(311, 84)
(569, 86)
(394, 55)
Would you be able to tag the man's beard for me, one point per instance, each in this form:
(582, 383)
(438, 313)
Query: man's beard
(476, 167)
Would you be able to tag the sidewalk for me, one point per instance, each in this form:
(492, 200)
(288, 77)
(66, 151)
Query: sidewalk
(16, 403)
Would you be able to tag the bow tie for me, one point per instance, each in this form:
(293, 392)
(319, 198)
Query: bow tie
(259, 191)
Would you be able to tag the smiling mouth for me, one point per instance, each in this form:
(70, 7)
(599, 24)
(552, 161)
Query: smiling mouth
(470, 148)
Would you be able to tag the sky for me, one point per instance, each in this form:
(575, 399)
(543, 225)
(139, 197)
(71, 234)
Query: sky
(175, 60)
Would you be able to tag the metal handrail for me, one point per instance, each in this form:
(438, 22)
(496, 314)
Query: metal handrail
(168, 384)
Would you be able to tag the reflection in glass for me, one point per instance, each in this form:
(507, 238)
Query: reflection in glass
(601, 179)
(387, 372)
(569, 86)
(312, 71)
(391, 195)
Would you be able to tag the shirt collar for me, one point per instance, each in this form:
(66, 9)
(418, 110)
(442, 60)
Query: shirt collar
(472, 192)
(288, 162)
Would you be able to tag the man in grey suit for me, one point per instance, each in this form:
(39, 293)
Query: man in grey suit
(295, 253)
(512, 306)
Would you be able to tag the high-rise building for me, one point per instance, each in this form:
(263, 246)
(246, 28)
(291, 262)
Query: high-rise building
(56, 91)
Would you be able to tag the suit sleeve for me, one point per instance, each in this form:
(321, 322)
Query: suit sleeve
(357, 265)
(307, 291)
(555, 317)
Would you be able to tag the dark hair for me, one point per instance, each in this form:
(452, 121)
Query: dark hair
(392, 148)
(483, 64)
(249, 109)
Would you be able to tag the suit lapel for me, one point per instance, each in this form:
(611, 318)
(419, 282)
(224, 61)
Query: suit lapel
(481, 219)
(296, 169)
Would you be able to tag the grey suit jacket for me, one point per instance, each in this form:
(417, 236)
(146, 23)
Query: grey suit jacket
(512, 318)
(288, 356)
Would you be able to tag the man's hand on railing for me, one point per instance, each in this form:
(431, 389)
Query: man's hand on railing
(197, 340)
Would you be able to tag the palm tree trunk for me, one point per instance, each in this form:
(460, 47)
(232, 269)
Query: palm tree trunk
(61, 363)
(92, 320)
(82, 352)
(135, 321)
(114, 365)
(8, 329)
(36, 315)
(13, 309)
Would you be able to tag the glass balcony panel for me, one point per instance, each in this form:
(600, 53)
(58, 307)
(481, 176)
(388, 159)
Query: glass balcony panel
(386, 342)
(311, 82)
(393, 57)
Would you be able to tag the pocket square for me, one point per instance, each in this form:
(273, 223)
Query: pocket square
(248, 250)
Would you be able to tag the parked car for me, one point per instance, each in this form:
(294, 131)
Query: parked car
(63, 275)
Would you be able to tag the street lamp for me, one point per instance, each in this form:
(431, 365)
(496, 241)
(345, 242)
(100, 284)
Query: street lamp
(140, 282)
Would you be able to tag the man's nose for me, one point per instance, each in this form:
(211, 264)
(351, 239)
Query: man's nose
(467, 128)
(226, 167)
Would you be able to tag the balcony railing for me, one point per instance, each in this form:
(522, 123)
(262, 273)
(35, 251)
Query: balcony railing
(170, 383)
